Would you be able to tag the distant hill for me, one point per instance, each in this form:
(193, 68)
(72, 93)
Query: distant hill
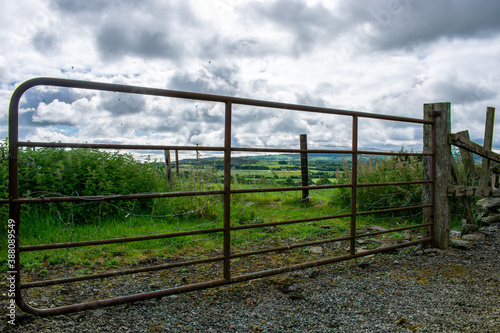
(319, 162)
(272, 157)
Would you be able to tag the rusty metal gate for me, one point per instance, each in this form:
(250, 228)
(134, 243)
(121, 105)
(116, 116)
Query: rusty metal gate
(226, 257)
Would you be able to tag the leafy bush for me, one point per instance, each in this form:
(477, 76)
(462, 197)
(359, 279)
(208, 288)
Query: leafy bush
(82, 172)
(323, 181)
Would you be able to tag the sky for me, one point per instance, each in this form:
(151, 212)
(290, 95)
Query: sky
(378, 56)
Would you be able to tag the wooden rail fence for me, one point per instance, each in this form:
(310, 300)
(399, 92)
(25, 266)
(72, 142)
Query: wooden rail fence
(467, 149)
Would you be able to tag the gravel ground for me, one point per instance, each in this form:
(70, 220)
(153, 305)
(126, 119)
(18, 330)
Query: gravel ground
(409, 290)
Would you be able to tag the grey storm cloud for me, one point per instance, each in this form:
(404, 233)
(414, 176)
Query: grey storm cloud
(26, 119)
(408, 23)
(170, 124)
(123, 104)
(115, 40)
(193, 132)
(34, 96)
(251, 117)
(379, 24)
(186, 82)
(460, 92)
(46, 42)
(222, 80)
(289, 124)
(242, 47)
(69, 6)
(309, 25)
(146, 29)
(201, 114)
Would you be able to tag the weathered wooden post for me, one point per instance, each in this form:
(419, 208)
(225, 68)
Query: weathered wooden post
(470, 170)
(467, 158)
(177, 161)
(469, 216)
(439, 214)
(168, 167)
(488, 145)
(303, 168)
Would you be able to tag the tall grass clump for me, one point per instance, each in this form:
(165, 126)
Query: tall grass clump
(383, 170)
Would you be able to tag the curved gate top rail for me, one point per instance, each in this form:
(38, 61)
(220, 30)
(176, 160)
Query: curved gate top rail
(15, 201)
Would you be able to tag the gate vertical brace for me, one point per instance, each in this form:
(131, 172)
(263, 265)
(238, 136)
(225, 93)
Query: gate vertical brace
(227, 192)
(436, 139)
(354, 183)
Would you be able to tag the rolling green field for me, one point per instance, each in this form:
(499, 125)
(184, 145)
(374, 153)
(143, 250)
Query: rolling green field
(272, 168)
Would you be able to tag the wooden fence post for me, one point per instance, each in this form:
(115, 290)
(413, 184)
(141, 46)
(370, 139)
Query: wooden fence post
(168, 167)
(467, 159)
(469, 216)
(303, 168)
(487, 144)
(470, 171)
(439, 215)
(177, 161)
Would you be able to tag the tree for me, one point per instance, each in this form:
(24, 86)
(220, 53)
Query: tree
(324, 181)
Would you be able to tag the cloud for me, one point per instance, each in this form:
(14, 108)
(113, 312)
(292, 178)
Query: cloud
(150, 30)
(308, 25)
(46, 42)
(123, 104)
(58, 113)
(310, 99)
(76, 113)
(460, 92)
(202, 113)
(212, 79)
(34, 96)
(407, 23)
(75, 7)
(116, 41)
(378, 56)
(220, 48)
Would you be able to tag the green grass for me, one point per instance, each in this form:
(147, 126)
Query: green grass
(46, 231)
(253, 208)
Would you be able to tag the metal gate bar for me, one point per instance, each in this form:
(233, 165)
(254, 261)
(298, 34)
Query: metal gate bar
(15, 201)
